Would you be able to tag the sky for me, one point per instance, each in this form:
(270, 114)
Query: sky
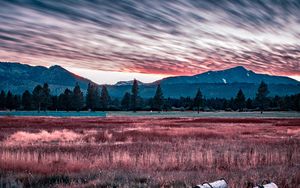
(108, 41)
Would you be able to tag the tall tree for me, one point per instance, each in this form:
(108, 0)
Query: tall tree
(92, 97)
(46, 101)
(134, 95)
(89, 96)
(27, 100)
(126, 101)
(67, 99)
(9, 100)
(240, 100)
(198, 100)
(54, 102)
(96, 104)
(2, 99)
(261, 95)
(158, 99)
(249, 103)
(60, 102)
(16, 102)
(38, 97)
(104, 98)
(77, 101)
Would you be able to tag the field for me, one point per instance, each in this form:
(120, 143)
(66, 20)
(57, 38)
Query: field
(149, 151)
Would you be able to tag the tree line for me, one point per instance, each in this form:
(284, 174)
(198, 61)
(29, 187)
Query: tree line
(40, 99)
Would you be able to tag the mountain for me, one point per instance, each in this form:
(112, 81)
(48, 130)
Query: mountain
(233, 75)
(224, 83)
(19, 77)
(125, 83)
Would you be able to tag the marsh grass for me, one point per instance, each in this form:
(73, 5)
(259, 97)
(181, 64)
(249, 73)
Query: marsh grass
(150, 152)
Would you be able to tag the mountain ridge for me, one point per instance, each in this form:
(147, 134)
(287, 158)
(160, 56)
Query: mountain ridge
(225, 83)
(237, 74)
(19, 77)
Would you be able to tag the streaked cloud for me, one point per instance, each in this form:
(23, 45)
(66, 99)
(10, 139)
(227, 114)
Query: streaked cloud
(170, 37)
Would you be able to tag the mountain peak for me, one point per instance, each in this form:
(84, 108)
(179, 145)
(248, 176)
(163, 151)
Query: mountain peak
(237, 68)
(54, 67)
(238, 74)
(28, 77)
(130, 82)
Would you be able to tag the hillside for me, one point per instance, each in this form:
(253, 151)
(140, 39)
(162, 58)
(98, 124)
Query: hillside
(19, 77)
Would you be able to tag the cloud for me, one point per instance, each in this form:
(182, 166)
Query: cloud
(157, 37)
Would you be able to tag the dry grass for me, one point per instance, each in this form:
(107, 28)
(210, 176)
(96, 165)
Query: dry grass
(148, 152)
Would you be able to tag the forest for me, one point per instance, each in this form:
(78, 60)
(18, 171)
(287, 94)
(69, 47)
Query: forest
(41, 99)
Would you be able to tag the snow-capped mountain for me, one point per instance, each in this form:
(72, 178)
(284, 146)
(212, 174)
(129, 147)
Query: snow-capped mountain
(233, 75)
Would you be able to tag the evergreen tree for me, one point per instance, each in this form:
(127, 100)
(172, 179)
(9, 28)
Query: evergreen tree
(198, 100)
(38, 97)
(16, 102)
(96, 104)
(92, 97)
(240, 100)
(158, 99)
(46, 101)
(134, 95)
(9, 100)
(115, 104)
(2, 100)
(104, 98)
(54, 103)
(27, 100)
(167, 104)
(60, 102)
(261, 95)
(224, 105)
(275, 103)
(89, 96)
(67, 99)
(249, 104)
(126, 101)
(77, 101)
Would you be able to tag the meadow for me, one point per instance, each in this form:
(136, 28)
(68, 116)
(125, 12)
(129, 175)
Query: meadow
(156, 151)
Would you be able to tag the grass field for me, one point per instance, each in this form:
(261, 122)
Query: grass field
(149, 151)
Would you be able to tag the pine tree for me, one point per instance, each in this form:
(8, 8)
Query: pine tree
(2, 100)
(26, 100)
(126, 101)
(134, 95)
(261, 95)
(158, 99)
(77, 101)
(249, 104)
(60, 102)
(9, 100)
(67, 100)
(90, 96)
(38, 97)
(16, 102)
(240, 100)
(96, 103)
(54, 103)
(104, 98)
(198, 100)
(46, 101)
